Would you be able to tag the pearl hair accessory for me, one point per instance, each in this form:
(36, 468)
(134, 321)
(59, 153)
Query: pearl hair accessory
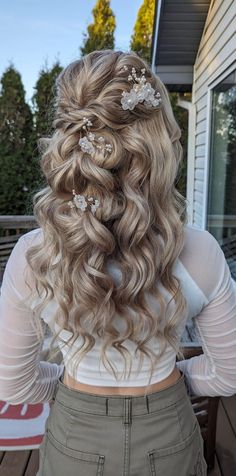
(80, 202)
(88, 143)
(141, 91)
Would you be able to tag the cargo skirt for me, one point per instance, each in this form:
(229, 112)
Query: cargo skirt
(97, 435)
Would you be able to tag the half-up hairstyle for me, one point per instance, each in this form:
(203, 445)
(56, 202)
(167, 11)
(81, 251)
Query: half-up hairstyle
(139, 223)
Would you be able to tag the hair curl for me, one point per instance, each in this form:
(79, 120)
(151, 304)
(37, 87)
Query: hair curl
(139, 223)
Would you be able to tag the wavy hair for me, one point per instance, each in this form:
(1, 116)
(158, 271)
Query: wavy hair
(139, 224)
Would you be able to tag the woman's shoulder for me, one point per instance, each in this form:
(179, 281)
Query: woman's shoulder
(203, 258)
(32, 237)
(194, 231)
(199, 239)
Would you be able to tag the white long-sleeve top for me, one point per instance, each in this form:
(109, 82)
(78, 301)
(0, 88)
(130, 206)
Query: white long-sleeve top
(208, 287)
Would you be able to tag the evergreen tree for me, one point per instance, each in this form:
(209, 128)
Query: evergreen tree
(16, 124)
(100, 33)
(141, 39)
(43, 108)
(42, 99)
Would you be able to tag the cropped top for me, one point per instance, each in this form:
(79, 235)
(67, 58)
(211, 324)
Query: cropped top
(210, 292)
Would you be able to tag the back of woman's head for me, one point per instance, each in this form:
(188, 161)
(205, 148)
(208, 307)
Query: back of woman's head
(139, 222)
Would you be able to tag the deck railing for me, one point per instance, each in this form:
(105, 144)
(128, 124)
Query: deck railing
(11, 228)
(16, 223)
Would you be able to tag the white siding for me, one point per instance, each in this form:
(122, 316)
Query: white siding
(217, 51)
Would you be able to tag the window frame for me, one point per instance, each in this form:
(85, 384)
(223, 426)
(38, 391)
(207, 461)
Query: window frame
(206, 179)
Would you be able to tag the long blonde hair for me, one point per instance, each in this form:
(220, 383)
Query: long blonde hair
(139, 224)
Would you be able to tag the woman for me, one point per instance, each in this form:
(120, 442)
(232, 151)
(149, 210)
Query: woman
(115, 271)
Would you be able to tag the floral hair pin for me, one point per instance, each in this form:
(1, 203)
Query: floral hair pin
(141, 91)
(80, 201)
(90, 142)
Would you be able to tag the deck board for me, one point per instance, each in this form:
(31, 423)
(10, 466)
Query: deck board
(33, 463)
(216, 471)
(225, 435)
(14, 463)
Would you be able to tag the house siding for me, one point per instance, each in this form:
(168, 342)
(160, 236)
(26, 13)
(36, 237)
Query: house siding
(216, 52)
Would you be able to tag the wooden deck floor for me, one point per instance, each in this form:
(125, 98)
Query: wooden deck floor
(19, 463)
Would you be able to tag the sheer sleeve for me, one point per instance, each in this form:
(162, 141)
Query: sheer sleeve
(23, 377)
(213, 373)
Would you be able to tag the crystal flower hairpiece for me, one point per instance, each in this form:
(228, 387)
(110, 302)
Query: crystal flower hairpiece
(141, 91)
(79, 201)
(90, 142)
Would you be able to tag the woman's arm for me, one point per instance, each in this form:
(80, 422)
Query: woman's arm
(213, 373)
(23, 377)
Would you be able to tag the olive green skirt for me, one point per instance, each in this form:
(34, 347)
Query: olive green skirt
(98, 435)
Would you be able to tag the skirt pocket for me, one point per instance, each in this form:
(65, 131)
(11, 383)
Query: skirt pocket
(184, 458)
(60, 460)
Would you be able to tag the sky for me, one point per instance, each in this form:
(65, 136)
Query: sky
(35, 33)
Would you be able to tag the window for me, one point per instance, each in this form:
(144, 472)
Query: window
(221, 209)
